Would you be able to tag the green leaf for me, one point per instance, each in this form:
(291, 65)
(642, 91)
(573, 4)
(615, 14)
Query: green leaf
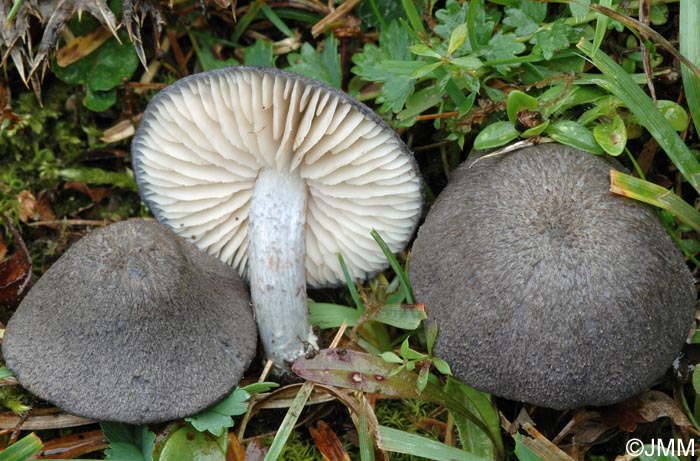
(391, 357)
(22, 449)
(611, 136)
(457, 39)
(128, 442)
(501, 49)
(517, 102)
(406, 316)
(524, 452)
(425, 70)
(467, 62)
(5, 373)
(276, 21)
(442, 366)
(553, 40)
(689, 18)
(696, 381)
(260, 54)
(536, 130)
(424, 50)
(473, 438)
(619, 83)
(674, 113)
(100, 101)
(398, 441)
(394, 263)
(324, 315)
(495, 135)
(575, 135)
(323, 66)
(218, 418)
(187, 443)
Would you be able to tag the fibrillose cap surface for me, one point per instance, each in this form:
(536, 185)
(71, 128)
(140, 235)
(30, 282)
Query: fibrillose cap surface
(203, 141)
(133, 324)
(546, 287)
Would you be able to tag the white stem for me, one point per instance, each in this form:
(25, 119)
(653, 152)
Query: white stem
(277, 266)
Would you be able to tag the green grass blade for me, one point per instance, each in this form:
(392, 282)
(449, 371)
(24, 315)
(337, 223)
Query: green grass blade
(325, 315)
(601, 26)
(276, 20)
(290, 420)
(391, 439)
(400, 273)
(653, 194)
(619, 83)
(414, 18)
(351, 285)
(246, 19)
(22, 449)
(365, 435)
(690, 48)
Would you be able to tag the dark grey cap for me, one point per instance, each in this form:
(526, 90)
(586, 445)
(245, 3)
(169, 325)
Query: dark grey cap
(546, 287)
(133, 324)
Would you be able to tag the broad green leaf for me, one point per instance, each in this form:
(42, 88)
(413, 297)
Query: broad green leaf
(674, 113)
(425, 70)
(467, 62)
(457, 39)
(391, 357)
(22, 449)
(128, 442)
(575, 135)
(536, 130)
(406, 316)
(325, 315)
(424, 50)
(187, 443)
(611, 136)
(100, 101)
(518, 101)
(495, 135)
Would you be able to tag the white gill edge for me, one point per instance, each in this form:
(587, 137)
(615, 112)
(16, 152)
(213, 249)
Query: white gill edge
(358, 179)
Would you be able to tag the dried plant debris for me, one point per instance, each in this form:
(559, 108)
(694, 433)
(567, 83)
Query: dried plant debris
(18, 16)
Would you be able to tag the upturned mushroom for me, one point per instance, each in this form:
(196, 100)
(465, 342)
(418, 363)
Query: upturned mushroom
(132, 324)
(546, 287)
(276, 174)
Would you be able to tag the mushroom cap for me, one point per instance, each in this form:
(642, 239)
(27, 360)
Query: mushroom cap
(133, 324)
(546, 287)
(203, 141)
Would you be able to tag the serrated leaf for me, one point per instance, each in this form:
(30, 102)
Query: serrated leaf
(422, 71)
(323, 66)
(218, 418)
(611, 136)
(128, 442)
(495, 135)
(260, 54)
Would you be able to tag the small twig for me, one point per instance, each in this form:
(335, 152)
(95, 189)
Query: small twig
(71, 222)
(333, 16)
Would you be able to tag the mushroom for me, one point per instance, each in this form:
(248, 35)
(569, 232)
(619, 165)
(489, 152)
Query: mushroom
(277, 174)
(132, 324)
(546, 287)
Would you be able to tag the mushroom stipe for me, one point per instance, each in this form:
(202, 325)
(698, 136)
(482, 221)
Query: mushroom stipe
(546, 287)
(277, 174)
(133, 324)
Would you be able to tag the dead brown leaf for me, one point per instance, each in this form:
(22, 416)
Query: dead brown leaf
(15, 272)
(72, 446)
(328, 442)
(236, 450)
(82, 46)
(27, 205)
(644, 408)
(96, 194)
